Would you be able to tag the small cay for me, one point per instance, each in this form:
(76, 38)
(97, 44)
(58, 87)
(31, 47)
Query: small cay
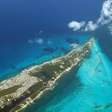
(31, 83)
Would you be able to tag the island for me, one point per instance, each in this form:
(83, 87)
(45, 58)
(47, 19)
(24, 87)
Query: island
(17, 92)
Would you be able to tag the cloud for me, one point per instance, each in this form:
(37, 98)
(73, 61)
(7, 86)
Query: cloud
(110, 28)
(39, 41)
(106, 13)
(83, 26)
(30, 41)
(90, 26)
(105, 18)
(76, 25)
(36, 41)
(49, 42)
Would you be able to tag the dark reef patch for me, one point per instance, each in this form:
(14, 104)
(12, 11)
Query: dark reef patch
(49, 49)
(71, 40)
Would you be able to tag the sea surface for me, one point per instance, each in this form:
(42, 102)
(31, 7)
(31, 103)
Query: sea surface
(32, 32)
(87, 89)
(22, 22)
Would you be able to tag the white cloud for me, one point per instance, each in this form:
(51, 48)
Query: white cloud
(39, 41)
(83, 26)
(30, 41)
(49, 42)
(90, 26)
(104, 18)
(36, 41)
(74, 45)
(106, 13)
(110, 28)
(76, 25)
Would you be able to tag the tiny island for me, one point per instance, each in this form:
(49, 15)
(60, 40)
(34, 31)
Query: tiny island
(17, 92)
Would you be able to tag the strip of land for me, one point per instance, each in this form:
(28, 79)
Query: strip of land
(31, 83)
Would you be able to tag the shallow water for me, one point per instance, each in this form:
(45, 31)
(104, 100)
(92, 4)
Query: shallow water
(86, 90)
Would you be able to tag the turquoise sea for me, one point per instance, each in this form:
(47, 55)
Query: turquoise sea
(87, 89)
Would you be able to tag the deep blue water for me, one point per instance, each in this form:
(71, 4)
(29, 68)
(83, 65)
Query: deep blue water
(22, 20)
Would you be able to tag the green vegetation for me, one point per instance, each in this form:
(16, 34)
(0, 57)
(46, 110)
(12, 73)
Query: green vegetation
(9, 90)
(47, 71)
(34, 90)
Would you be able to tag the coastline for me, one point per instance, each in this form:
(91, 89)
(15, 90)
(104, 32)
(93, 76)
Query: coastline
(51, 83)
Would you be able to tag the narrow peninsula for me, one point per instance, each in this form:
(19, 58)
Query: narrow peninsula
(30, 84)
